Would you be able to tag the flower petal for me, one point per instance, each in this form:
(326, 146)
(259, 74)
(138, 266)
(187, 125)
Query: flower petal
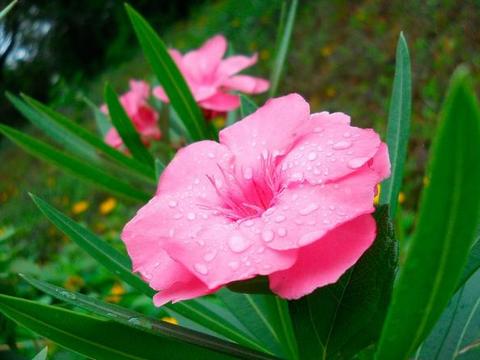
(221, 102)
(329, 152)
(234, 64)
(326, 260)
(202, 63)
(271, 129)
(303, 213)
(113, 139)
(246, 84)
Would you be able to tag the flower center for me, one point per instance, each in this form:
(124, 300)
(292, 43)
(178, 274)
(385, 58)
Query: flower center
(246, 193)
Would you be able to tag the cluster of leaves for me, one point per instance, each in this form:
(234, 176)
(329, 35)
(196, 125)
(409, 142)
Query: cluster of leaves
(366, 314)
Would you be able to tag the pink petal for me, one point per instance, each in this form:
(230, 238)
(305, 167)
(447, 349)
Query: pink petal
(182, 291)
(303, 213)
(270, 131)
(160, 94)
(326, 260)
(141, 88)
(234, 64)
(113, 139)
(246, 84)
(325, 118)
(381, 162)
(329, 151)
(221, 102)
(201, 64)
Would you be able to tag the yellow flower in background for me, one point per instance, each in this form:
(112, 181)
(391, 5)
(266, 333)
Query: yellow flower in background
(376, 199)
(116, 293)
(426, 181)
(74, 283)
(219, 121)
(326, 51)
(80, 206)
(107, 206)
(401, 197)
(170, 320)
(264, 54)
(330, 91)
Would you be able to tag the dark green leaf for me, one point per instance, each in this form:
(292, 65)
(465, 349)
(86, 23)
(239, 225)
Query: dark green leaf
(247, 106)
(459, 325)
(159, 167)
(473, 264)
(73, 165)
(68, 126)
(266, 317)
(447, 223)
(339, 320)
(141, 322)
(283, 40)
(123, 124)
(169, 77)
(398, 129)
(96, 338)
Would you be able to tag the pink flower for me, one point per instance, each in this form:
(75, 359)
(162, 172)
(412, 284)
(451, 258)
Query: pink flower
(144, 118)
(211, 79)
(284, 194)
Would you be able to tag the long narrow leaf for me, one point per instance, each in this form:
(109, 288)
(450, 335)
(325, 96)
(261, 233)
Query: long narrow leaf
(473, 263)
(124, 126)
(283, 41)
(73, 165)
(169, 77)
(398, 129)
(449, 213)
(101, 120)
(70, 127)
(98, 339)
(137, 320)
(119, 264)
(7, 9)
(247, 106)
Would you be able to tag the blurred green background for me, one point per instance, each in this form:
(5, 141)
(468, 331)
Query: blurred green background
(341, 58)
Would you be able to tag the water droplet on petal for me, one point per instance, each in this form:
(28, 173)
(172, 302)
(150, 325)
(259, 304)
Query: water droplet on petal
(248, 223)
(282, 232)
(172, 203)
(191, 216)
(211, 155)
(234, 265)
(312, 156)
(201, 268)
(342, 145)
(309, 209)
(347, 134)
(280, 218)
(267, 235)
(209, 256)
(357, 162)
(238, 244)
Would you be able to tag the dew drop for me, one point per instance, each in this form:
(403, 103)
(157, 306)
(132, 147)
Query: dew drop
(356, 162)
(238, 244)
(282, 232)
(248, 223)
(280, 218)
(201, 268)
(172, 203)
(312, 156)
(234, 265)
(309, 209)
(347, 134)
(267, 235)
(341, 145)
(209, 256)
(211, 155)
(177, 216)
(191, 216)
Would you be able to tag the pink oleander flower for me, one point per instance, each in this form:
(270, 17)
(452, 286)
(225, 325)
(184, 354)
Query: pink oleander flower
(144, 117)
(211, 79)
(286, 194)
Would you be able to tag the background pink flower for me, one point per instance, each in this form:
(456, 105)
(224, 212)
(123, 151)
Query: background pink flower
(284, 194)
(211, 79)
(144, 117)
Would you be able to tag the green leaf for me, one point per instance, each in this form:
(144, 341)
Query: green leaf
(73, 165)
(247, 106)
(398, 129)
(119, 264)
(69, 127)
(473, 264)
(141, 322)
(266, 317)
(57, 132)
(458, 326)
(101, 120)
(42, 355)
(7, 9)
(339, 320)
(123, 124)
(169, 77)
(283, 41)
(97, 338)
(447, 223)
(159, 167)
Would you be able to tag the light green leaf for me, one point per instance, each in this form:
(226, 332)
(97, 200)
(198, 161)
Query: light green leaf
(7, 9)
(473, 263)
(98, 339)
(42, 355)
(141, 322)
(101, 120)
(159, 167)
(447, 223)
(123, 124)
(339, 320)
(284, 34)
(247, 106)
(69, 127)
(169, 77)
(73, 165)
(267, 317)
(398, 129)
